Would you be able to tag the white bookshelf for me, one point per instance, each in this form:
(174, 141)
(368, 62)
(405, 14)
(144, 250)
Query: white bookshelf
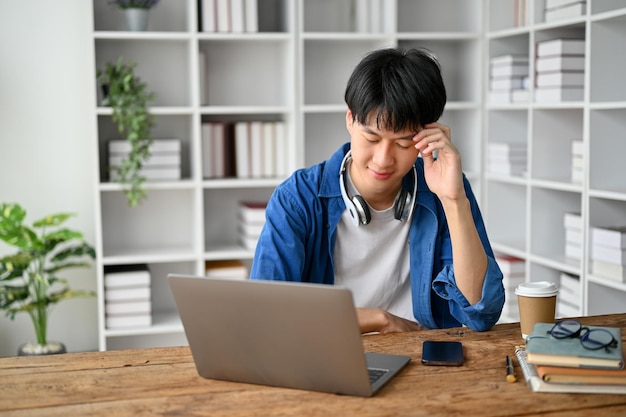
(524, 214)
(294, 69)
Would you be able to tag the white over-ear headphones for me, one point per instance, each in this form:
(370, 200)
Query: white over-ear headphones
(357, 207)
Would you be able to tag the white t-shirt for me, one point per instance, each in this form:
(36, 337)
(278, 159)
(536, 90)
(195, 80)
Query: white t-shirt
(373, 261)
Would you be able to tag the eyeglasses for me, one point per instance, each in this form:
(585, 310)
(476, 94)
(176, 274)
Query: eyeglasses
(592, 339)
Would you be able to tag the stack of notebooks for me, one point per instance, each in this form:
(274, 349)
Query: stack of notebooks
(164, 162)
(608, 252)
(568, 303)
(251, 222)
(560, 70)
(506, 158)
(564, 9)
(508, 79)
(564, 365)
(127, 296)
(577, 161)
(573, 224)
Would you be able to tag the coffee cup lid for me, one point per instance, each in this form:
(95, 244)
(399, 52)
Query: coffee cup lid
(537, 289)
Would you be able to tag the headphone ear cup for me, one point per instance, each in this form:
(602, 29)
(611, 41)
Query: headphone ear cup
(362, 212)
(401, 205)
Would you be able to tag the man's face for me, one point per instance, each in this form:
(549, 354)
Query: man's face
(380, 159)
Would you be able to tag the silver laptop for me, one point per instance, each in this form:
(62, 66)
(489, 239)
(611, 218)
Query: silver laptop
(294, 335)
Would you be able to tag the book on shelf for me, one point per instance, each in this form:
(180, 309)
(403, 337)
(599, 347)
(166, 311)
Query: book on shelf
(612, 236)
(269, 150)
(544, 349)
(127, 293)
(257, 147)
(207, 10)
(375, 16)
(361, 16)
(607, 254)
(515, 70)
(507, 83)
(510, 265)
(251, 16)
(521, 11)
(566, 309)
(569, 287)
(538, 384)
(573, 220)
(560, 63)
(222, 15)
(553, 4)
(237, 16)
(157, 145)
(163, 163)
(242, 149)
(561, 46)
(252, 211)
(116, 276)
(128, 321)
(560, 79)
(567, 11)
(544, 94)
(615, 272)
(226, 269)
(573, 251)
(155, 174)
(509, 59)
(128, 307)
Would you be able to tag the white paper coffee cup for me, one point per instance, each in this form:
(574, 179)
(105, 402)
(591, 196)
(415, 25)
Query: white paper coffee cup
(537, 304)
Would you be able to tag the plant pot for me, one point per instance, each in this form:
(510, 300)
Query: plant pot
(137, 19)
(35, 349)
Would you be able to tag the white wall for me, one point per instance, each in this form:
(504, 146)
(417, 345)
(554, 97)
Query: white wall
(47, 142)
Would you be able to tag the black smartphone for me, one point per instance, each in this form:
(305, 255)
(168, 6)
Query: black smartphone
(442, 353)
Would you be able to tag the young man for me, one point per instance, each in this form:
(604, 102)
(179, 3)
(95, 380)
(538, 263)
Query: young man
(405, 234)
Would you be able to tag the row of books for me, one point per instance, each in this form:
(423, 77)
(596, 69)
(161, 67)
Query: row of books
(508, 79)
(552, 364)
(555, 10)
(251, 222)
(245, 149)
(560, 70)
(506, 158)
(235, 16)
(127, 296)
(367, 16)
(608, 252)
(164, 162)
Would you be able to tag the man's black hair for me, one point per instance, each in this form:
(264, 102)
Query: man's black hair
(402, 89)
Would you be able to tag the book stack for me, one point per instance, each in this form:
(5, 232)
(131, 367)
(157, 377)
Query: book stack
(564, 365)
(564, 9)
(608, 252)
(245, 149)
(513, 274)
(573, 224)
(560, 70)
(577, 161)
(235, 16)
(162, 164)
(226, 269)
(508, 79)
(506, 158)
(127, 296)
(569, 299)
(251, 222)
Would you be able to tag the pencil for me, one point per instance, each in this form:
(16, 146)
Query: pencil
(510, 371)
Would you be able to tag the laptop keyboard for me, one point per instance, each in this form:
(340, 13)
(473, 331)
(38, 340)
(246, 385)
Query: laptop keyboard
(375, 374)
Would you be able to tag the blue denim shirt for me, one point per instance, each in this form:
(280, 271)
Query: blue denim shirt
(298, 240)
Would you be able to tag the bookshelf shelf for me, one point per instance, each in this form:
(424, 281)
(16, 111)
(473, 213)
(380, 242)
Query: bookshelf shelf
(540, 199)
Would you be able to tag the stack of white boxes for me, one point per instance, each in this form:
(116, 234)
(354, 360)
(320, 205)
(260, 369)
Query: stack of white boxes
(577, 161)
(608, 252)
(164, 162)
(560, 70)
(127, 296)
(506, 158)
(251, 222)
(514, 273)
(569, 299)
(573, 224)
(508, 79)
(564, 9)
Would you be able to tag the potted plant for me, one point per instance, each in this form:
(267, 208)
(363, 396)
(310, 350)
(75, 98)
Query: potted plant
(128, 95)
(136, 12)
(30, 280)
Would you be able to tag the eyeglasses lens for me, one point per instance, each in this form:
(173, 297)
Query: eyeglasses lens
(596, 339)
(565, 328)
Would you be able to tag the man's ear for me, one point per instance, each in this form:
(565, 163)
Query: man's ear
(349, 119)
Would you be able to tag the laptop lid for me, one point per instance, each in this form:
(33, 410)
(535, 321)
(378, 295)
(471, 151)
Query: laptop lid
(283, 334)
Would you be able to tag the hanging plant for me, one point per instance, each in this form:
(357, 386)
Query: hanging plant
(128, 96)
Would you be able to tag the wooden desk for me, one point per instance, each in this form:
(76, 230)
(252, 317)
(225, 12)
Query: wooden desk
(163, 381)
